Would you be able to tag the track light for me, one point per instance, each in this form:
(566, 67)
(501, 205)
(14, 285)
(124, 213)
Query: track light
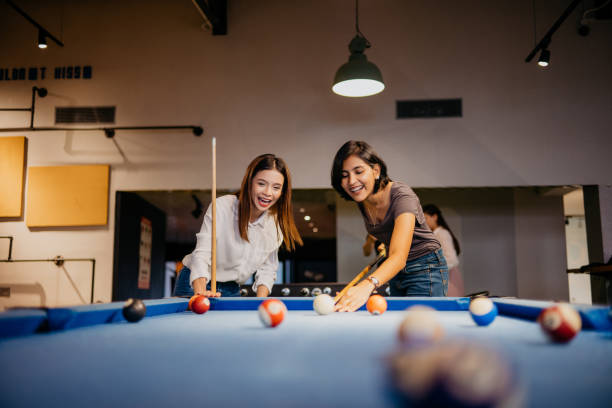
(358, 77)
(42, 39)
(544, 59)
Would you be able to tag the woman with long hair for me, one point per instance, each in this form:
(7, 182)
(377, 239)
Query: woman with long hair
(392, 214)
(251, 226)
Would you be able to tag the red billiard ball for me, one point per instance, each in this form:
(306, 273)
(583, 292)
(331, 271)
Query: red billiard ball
(191, 301)
(272, 312)
(376, 305)
(560, 322)
(200, 304)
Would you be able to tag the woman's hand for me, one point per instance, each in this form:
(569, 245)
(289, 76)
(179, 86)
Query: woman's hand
(199, 288)
(355, 297)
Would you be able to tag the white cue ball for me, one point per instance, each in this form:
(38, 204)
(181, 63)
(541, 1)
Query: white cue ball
(323, 304)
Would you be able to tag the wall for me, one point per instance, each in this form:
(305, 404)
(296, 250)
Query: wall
(266, 87)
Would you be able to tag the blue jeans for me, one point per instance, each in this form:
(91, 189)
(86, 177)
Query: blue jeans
(424, 276)
(183, 288)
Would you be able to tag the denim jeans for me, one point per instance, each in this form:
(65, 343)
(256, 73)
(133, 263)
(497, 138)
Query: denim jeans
(424, 276)
(183, 288)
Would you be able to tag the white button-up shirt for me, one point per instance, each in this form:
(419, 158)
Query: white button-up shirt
(237, 259)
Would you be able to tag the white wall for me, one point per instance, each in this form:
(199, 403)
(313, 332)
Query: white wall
(266, 87)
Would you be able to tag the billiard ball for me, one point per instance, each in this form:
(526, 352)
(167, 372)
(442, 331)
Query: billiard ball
(376, 305)
(134, 310)
(483, 310)
(316, 292)
(420, 326)
(455, 374)
(304, 292)
(200, 304)
(323, 304)
(272, 312)
(560, 322)
(327, 290)
(244, 292)
(285, 291)
(191, 301)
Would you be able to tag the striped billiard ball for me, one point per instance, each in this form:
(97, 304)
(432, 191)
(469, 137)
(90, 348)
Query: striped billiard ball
(483, 311)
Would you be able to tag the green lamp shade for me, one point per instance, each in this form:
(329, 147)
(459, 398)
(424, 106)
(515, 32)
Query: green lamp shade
(358, 77)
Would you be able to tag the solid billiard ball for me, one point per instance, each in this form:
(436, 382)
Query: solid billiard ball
(420, 326)
(327, 290)
(560, 322)
(272, 312)
(305, 292)
(323, 304)
(285, 291)
(376, 305)
(134, 310)
(200, 304)
(191, 301)
(316, 292)
(483, 310)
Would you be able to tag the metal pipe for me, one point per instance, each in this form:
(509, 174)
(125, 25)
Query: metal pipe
(10, 238)
(55, 261)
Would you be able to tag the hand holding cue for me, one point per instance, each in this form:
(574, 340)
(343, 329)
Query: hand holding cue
(213, 243)
(360, 275)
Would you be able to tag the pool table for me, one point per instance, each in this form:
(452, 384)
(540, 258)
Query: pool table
(89, 356)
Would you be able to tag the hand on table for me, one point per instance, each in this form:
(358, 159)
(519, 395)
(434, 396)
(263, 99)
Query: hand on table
(208, 293)
(199, 288)
(355, 297)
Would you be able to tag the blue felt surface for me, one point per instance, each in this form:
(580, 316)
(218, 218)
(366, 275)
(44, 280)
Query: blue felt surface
(228, 359)
(21, 322)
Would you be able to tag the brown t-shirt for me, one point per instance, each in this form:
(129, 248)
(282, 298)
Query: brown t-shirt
(403, 200)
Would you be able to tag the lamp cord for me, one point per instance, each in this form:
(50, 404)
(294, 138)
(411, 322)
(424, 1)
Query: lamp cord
(368, 45)
(534, 22)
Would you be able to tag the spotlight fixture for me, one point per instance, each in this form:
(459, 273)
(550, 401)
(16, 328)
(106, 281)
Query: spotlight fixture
(358, 77)
(544, 59)
(42, 39)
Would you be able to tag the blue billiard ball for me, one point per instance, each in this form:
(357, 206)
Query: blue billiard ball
(483, 311)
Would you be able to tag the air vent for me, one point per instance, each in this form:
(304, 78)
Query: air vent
(432, 108)
(85, 114)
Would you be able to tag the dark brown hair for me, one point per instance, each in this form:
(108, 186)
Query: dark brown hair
(432, 209)
(367, 154)
(282, 208)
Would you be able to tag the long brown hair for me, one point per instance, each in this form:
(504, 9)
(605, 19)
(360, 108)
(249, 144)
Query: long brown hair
(283, 209)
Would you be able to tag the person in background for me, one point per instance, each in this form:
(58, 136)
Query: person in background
(450, 247)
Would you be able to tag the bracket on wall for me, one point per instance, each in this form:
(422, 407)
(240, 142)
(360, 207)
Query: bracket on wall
(109, 131)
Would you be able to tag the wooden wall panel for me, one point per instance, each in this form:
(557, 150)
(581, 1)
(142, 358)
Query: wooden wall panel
(62, 196)
(12, 165)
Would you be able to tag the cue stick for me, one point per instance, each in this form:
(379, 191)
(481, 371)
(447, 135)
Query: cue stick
(213, 243)
(381, 255)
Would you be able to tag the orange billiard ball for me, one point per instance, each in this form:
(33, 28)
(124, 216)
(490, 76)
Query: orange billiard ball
(200, 304)
(376, 305)
(272, 312)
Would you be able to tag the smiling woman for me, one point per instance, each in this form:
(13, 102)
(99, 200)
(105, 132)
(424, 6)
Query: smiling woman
(392, 214)
(251, 227)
